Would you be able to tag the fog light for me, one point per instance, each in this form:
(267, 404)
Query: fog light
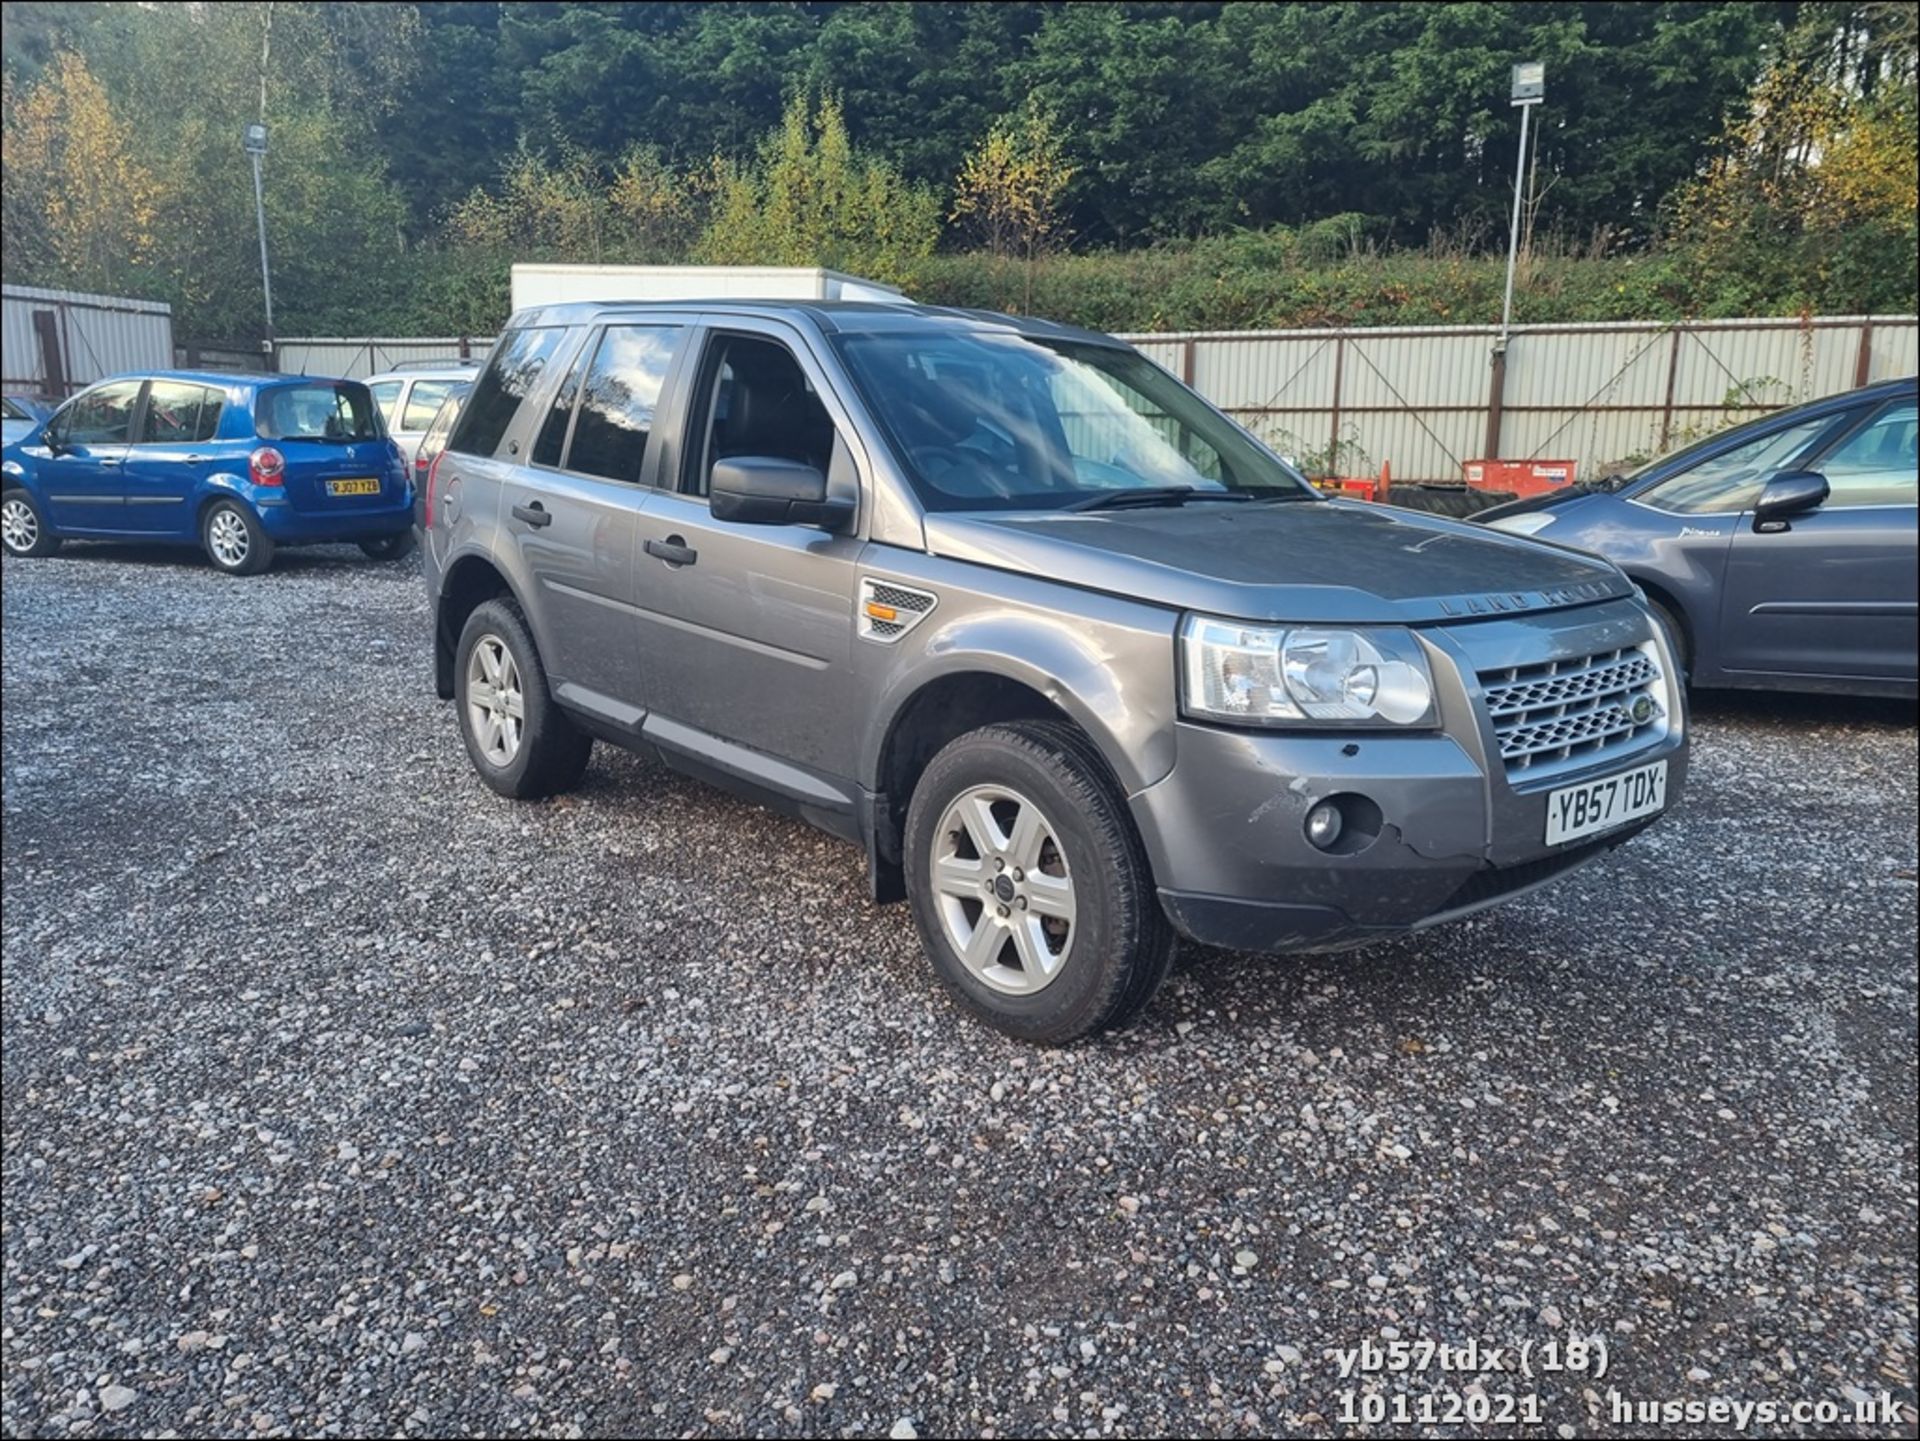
(1324, 824)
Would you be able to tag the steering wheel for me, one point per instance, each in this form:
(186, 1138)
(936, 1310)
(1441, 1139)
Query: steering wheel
(945, 464)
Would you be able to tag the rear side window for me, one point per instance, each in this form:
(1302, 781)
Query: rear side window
(179, 413)
(508, 380)
(342, 412)
(617, 402)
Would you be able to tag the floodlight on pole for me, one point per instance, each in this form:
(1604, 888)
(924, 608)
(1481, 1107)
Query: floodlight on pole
(254, 142)
(1529, 88)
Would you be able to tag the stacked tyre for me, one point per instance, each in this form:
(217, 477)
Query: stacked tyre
(1449, 500)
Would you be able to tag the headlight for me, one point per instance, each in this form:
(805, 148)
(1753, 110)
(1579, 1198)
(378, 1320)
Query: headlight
(1532, 523)
(1309, 675)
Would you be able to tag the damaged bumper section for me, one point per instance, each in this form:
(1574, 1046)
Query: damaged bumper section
(1428, 832)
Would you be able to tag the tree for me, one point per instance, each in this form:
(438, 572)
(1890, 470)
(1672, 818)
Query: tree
(1010, 188)
(1815, 188)
(810, 198)
(78, 210)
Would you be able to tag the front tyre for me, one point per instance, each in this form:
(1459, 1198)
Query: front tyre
(1029, 885)
(388, 547)
(234, 539)
(518, 739)
(23, 529)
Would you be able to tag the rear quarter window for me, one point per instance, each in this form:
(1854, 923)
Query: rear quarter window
(509, 378)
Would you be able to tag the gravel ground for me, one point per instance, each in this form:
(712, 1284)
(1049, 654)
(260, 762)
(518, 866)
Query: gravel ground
(343, 1097)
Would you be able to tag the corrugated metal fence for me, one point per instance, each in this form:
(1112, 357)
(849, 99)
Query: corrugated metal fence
(55, 342)
(1427, 399)
(357, 358)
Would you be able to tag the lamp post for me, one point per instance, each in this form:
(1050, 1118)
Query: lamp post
(1529, 86)
(255, 144)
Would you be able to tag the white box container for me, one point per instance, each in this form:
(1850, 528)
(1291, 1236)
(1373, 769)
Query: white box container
(537, 284)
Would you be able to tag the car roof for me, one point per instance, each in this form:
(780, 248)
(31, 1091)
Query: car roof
(225, 379)
(467, 373)
(851, 317)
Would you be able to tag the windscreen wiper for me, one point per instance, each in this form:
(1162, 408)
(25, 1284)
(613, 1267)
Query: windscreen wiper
(1150, 495)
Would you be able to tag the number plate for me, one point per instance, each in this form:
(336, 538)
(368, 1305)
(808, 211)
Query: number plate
(1587, 810)
(358, 485)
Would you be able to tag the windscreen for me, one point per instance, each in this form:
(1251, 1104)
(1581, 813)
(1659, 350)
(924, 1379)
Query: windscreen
(341, 411)
(989, 421)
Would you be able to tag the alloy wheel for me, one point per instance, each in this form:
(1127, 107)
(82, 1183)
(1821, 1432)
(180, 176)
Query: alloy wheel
(1003, 890)
(19, 526)
(227, 538)
(496, 708)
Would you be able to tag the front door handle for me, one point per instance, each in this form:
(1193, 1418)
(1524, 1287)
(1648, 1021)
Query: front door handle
(674, 550)
(534, 515)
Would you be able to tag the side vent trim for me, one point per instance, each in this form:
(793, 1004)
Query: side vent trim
(888, 610)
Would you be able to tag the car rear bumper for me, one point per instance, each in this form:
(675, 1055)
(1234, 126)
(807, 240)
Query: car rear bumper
(291, 526)
(1225, 829)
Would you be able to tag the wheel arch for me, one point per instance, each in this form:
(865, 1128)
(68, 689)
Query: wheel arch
(935, 712)
(470, 581)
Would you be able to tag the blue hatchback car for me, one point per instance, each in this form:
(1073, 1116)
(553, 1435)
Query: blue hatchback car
(1781, 553)
(237, 464)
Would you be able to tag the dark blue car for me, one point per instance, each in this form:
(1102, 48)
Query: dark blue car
(1780, 553)
(236, 464)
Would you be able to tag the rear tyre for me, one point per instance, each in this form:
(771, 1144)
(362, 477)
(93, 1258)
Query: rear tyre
(1030, 887)
(388, 547)
(234, 539)
(23, 529)
(518, 739)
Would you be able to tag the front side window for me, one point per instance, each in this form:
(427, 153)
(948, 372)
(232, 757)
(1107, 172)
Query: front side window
(423, 403)
(1732, 480)
(618, 398)
(12, 411)
(337, 412)
(992, 421)
(101, 417)
(386, 395)
(507, 381)
(179, 413)
(758, 401)
(1877, 465)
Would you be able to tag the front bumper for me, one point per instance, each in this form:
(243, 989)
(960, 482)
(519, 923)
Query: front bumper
(1225, 829)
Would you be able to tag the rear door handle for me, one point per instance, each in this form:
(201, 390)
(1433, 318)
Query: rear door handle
(674, 550)
(534, 515)
(196, 460)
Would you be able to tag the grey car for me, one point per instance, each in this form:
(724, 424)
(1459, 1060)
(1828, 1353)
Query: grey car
(1078, 663)
(1781, 553)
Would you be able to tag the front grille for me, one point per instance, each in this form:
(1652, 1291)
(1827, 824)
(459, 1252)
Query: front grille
(1561, 715)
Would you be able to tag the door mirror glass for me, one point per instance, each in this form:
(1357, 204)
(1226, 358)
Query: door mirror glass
(770, 490)
(1791, 492)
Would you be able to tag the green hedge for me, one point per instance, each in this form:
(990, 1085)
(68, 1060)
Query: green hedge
(1248, 281)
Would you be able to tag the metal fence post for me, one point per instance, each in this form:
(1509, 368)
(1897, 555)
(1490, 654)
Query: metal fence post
(1333, 444)
(1673, 376)
(1496, 398)
(1863, 363)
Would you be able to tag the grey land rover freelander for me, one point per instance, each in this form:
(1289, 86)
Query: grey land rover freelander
(1078, 662)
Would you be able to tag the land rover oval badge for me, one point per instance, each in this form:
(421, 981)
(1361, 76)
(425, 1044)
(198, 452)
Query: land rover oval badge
(1642, 710)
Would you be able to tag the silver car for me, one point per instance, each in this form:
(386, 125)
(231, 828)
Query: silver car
(410, 397)
(1079, 664)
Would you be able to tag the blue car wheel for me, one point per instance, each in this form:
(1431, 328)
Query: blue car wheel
(23, 529)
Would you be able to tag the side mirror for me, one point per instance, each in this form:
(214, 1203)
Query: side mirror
(768, 490)
(1792, 492)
